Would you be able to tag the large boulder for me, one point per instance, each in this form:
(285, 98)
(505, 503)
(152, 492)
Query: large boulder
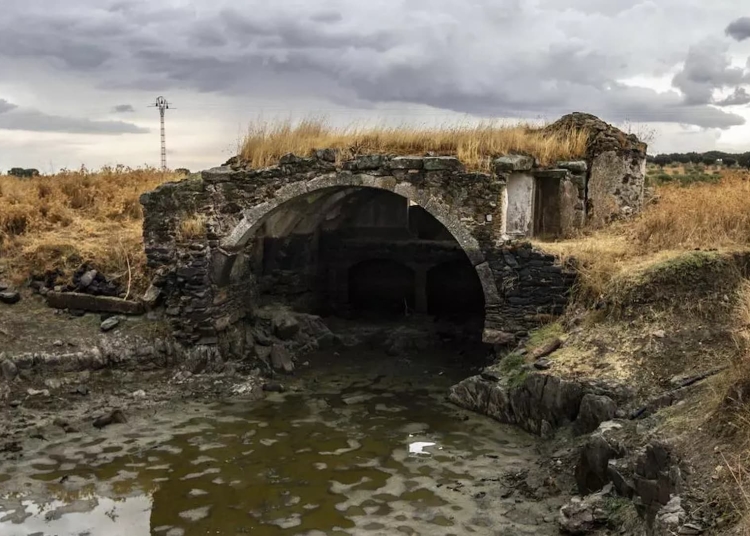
(594, 410)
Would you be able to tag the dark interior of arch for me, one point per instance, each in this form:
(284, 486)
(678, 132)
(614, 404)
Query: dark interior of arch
(363, 252)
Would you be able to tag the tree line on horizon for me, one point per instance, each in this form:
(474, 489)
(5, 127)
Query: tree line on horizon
(708, 158)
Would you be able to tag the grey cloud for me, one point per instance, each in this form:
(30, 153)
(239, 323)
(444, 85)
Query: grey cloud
(13, 117)
(327, 16)
(740, 97)
(506, 57)
(6, 106)
(123, 108)
(739, 29)
(706, 69)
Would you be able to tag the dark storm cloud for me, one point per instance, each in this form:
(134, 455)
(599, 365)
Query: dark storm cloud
(739, 29)
(13, 117)
(123, 108)
(491, 57)
(740, 97)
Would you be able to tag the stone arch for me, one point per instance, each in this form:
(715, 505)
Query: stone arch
(325, 186)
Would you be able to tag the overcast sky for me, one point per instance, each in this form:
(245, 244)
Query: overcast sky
(76, 77)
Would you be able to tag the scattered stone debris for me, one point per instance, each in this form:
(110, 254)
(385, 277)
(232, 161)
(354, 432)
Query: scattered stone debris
(37, 392)
(584, 515)
(115, 417)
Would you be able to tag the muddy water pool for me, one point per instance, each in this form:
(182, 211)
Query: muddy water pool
(359, 443)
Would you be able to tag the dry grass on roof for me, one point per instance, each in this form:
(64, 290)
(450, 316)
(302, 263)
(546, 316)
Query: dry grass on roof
(474, 145)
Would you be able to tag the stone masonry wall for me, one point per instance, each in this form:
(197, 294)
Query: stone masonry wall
(200, 233)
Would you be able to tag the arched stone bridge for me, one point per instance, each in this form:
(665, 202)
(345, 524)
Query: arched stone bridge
(220, 240)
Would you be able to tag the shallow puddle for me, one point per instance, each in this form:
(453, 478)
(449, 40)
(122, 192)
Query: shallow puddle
(360, 444)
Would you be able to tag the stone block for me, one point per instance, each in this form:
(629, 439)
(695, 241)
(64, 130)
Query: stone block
(577, 167)
(555, 174)
(218, 174)
(94, 304)
(513, 162)
(442, 163)
(368, 162)
(407, 162)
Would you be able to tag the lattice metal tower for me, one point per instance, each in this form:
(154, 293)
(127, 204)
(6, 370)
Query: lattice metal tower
(163, 106)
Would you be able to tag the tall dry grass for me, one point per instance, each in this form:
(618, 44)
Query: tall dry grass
(60, 221)
(474, 145)
(682, 218)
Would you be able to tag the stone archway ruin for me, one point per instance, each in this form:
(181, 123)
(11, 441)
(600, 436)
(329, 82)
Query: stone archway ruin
(209, 278)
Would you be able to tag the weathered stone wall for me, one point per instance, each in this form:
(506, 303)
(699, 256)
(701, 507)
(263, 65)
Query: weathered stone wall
(616, 168)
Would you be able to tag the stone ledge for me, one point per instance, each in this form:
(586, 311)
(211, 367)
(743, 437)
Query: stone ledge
(94, 304)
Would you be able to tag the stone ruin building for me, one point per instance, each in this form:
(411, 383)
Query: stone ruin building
(387, 233)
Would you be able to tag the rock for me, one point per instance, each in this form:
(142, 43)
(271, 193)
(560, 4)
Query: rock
(109, 324)
(497, 337)
(37, 392)
(578, 167)
(326, 155)
(285, 326)
(140, 393)
(151, 297)
(670, 516)
(10, 370)
(280, 359)
(273, 387)
(584, 515)
(513, 162)
(545, 349)
(442, 163)
(65, 425)
(80, 390)
(87, 278)
(10, 297)
(95, 304)
(543, 364)
(4, 286)
(594, 410)
(58, 343)
(690, 529)
(115, 417)
(591, 471)
(406, 162)
(659, 333)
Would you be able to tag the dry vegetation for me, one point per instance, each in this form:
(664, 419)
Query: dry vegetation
(679, 219)
(474, 145)
(60, 221)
